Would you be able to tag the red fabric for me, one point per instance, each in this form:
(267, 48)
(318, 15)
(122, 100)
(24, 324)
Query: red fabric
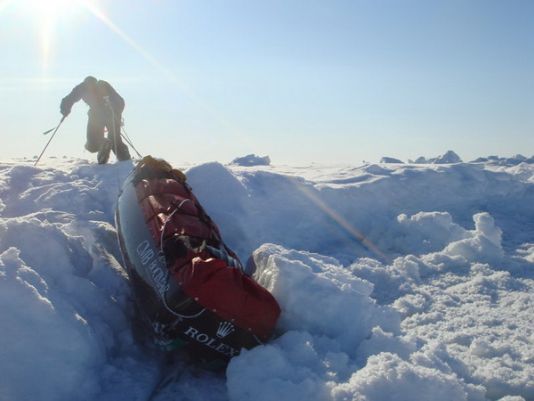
(167, 203)
(159, 198)
(161, 186)
(183, 224)
(231, 295)
(222, 289)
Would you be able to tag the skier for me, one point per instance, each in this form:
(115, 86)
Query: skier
(105, 111)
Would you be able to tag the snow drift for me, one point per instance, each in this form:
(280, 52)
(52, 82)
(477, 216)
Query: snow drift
(448, 157)
(252, 160)
(395, 281)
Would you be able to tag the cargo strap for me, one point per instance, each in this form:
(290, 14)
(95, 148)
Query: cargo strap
(223, 255)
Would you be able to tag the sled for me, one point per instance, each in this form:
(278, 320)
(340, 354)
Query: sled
(189, 287)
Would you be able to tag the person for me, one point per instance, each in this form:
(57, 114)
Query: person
(105, 112)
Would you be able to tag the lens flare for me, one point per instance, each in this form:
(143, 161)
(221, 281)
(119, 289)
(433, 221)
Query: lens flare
(166, 72)
(47, 14)
(341, 221)
(46, 39)
(93, 9)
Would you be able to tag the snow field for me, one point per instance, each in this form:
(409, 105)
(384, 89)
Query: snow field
(434, 305)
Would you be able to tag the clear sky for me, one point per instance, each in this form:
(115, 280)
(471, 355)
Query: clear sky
(301, 81)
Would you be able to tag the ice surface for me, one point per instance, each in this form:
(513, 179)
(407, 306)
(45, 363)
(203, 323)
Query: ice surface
(386, 159)
(448, 157)
(397, 281)
(504, 161)
(252, 160)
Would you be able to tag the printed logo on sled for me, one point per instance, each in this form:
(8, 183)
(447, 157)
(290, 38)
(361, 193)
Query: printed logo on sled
(211, 342)
(154, 261)
(225, 328)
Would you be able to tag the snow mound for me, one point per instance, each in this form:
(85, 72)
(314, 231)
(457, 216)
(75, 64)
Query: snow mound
(69, 345)
(331, 215)
(66, 303)
(449, 157)
(386, 376)
(305, 283)
(386, 159)
(504, 161)
(252, 160)
(338, 343)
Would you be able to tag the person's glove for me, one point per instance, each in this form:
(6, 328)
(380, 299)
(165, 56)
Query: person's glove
(64, 108)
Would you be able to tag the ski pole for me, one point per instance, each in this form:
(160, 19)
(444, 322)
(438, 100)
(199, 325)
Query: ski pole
(50, 140)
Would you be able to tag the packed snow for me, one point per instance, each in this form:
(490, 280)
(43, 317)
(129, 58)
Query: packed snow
(396, 281)
(252, 160)
(505, 161)
(447, 158)
(387, 159)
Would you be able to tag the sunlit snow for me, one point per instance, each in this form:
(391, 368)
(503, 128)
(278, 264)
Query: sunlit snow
(396, 281)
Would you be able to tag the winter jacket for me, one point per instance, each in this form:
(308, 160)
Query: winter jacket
(95, 99)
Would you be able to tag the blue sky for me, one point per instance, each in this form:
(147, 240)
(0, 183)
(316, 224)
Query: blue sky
(302, 81)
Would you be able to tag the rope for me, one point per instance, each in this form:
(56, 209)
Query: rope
(129, 142)
(122, 132)
(113, 124)
(178, 207)
(169, 217)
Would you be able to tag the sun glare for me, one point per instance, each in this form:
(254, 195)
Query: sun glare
(50, 10)
(47, 14)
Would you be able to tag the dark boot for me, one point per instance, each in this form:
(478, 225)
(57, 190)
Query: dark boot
(122, 152)
(103, 154)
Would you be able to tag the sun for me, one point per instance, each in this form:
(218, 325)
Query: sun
(47, 14)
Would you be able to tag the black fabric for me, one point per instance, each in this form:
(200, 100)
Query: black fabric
(97, 122)
(94, 96)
